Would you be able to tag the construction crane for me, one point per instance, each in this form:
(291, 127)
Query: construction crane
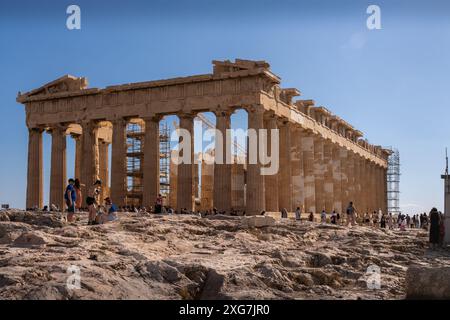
(210, 125)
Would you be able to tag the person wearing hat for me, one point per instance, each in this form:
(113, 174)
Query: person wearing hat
(92, 200)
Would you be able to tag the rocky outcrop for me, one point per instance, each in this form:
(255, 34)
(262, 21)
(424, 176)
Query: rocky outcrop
(220, 257)
(428, 283)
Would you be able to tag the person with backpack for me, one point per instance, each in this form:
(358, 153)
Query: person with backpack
(351, 211)
(71, 197)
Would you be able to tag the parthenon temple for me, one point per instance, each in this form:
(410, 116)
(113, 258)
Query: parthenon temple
(324, 161)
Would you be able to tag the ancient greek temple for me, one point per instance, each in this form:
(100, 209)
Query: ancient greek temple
(324, 161)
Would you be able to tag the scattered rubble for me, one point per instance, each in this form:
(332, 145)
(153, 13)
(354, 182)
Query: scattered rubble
(189, 257)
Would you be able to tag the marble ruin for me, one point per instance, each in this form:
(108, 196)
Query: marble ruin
(324, 161)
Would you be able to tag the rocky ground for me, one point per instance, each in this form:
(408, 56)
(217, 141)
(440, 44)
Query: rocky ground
(187, 257)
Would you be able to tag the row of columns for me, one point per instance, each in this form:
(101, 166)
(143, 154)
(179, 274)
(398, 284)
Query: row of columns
(313, 172)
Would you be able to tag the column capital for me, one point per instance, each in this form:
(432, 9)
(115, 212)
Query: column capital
(35, 130)
(59, 128)
(118, 121)
(222, 112)
(255, 108)
(153, 117)
(282, 121)
(187, 115)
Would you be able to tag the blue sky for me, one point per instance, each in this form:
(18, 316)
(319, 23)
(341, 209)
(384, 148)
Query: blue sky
(392, 83)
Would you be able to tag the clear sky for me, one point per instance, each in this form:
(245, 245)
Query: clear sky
(392, 83)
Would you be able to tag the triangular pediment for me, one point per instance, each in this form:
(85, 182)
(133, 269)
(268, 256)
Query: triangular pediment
(66, 83)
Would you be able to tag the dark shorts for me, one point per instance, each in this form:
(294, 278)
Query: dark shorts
(70, 208)
(90, 201)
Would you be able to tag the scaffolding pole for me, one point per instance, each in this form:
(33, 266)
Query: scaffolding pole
(393, 182)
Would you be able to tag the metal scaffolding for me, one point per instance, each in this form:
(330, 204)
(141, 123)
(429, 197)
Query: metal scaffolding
(164, 159)
(135, 154)
(393, 182)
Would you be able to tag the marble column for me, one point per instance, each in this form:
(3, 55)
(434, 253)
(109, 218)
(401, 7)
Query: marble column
(298, 185)
(350, 168)
(345, 194)
(103, 148)
(285, 170)
(372, 187)
(385, 204)
(328, 185)
(222, 164)
(238, 186)
(319, 169)
(337, 179)
(255, 180)
(207, 188)
(78, 154)
(357, 183)
(90, 161)
(150, 165)
(271, 181)
(363, 206)
(58, 167)
(185, 179)
(308, 169)
(119, 162)
(35, 181)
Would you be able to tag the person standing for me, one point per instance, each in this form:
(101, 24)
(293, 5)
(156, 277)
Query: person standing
(298, 214)
(70, 196)
(323, 217)
(383, 221)
(284, 213)
(158, 204)
(79, 200)
(92, 200)
(351, 210)
(435, 220)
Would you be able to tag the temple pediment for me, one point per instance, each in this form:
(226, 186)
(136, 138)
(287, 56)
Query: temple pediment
(66, 83)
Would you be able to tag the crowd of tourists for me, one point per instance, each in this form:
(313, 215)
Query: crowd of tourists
(433, 222)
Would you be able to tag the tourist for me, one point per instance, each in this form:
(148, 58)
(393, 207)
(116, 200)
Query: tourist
(351, 214)
(383, 221)
(435, 221)
(158, 204)
(92, 201)
(402, 225)
(338, 218)
(367, 218)
(284, 213)
(323, 216)
(111, 211)
(311, 217)
(333, 218)
(375, 219)
(408, 220)
(79, 201)
(71, 197)
(298, 214)
(390, 221)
